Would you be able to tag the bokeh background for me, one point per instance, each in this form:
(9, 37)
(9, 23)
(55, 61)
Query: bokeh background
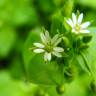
(18, 19)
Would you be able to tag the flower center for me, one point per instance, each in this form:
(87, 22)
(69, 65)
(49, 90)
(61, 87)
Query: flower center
(77, 28)
(49, 47)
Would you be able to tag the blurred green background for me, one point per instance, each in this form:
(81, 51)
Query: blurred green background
(20, 23)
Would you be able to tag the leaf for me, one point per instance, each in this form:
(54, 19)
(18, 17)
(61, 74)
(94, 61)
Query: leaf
(34, 36)
(41, 73)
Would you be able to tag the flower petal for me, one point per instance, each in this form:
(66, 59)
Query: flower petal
(84, 31)
(43, 38)
(57, 54)
(57, 42)
(80, 18)
(74, 19)
(38, 50)
(47, 56)
(58, 49)
(55, 38)
(69, 21)
(85, 25)
(47, 35)
(39, 45)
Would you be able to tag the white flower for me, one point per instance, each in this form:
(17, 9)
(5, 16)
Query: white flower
(77, 25)
(48, 46)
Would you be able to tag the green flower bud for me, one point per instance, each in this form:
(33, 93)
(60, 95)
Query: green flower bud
(87, 39)
(69, 74)
(40, 92)
(60, 89)
(93, 87)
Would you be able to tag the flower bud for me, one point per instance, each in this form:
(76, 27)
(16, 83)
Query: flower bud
(69, 74)
(93, 87)
(60, 89)
(87, 39)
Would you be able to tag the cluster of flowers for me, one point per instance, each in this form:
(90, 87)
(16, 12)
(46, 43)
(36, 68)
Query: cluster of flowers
(49, 46)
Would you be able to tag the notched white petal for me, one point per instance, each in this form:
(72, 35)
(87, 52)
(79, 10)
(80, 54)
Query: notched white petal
(80, 18)
(47, 35)
(74, 19)
(69, 21)
(85, 25)
(58, 41)
(58, 49)
(43, 38)
(38, 50)
(84, 31)
(47, 56)
(55, 38)
(39, 45)
(57, 54)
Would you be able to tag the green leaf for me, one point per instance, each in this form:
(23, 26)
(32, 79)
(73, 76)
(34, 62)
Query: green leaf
(34, 36)
(41, 73)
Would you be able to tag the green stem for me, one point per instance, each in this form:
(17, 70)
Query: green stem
(86, 62)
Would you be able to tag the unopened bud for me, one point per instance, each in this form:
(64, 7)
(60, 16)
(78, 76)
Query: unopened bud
(87, 39)
(60, 89)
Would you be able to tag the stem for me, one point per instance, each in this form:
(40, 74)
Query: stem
(86, 62)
